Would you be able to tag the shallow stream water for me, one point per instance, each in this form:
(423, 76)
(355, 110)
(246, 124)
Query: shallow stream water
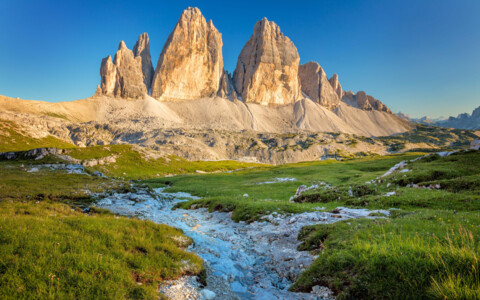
(244, 261)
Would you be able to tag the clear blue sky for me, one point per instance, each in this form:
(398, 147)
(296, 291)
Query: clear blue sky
(420, 57)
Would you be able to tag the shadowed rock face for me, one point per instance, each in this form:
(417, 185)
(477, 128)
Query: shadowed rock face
(142, 49)
(267, 67)
(191, 63)
(316, 86)
(123, 78)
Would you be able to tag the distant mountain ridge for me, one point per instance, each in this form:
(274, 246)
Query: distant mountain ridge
(462, 121)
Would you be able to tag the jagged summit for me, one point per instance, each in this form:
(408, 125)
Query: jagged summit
(124, 76)
(267, 67)
(191, 63)
(316, 86)
(190, 67)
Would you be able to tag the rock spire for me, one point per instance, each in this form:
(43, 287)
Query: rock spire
(267, 67)
(191, 63)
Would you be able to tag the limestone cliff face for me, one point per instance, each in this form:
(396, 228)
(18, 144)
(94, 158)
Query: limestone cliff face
(267, 67)
(130, 82)
(123, 77)
(142, 49)
(336, 85)
(191, 63)
(108, 74)
(316, 85)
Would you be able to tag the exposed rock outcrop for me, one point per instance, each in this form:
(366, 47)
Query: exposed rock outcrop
(123, 78)
(226, 88)
(316, 85)
(336, 85)
(108, 74)
(267, 67)
(191, 63)
(363, 101)
(142, 49)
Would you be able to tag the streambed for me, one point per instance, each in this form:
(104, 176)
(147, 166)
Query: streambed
(243, 261)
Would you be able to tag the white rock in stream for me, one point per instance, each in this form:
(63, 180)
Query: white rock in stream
(244, 261)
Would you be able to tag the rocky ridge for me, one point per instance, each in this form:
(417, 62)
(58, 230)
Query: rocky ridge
(316, 85)
(125, 77)
(191, 67)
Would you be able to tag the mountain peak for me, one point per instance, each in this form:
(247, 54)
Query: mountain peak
(191, 63)
(267, 67)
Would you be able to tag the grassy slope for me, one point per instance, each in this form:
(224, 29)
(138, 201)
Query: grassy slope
(132, 164)
(429, 249)
(98, 255)
(439, 138)
(12, 138)
(225, 191)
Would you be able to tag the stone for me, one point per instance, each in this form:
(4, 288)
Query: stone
(191, 63)
(98, 173)
(336, 85)
(475, 145)
(142, 49)
(123, 77)
(207, 294)
(267, 67)
(316, 85)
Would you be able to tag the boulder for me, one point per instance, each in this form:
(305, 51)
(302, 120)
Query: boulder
(475, 145)
(267, 67)
(191, 63)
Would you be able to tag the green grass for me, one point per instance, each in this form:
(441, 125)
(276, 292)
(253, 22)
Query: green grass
(427, 249)
(51, 251)
(423, 254)
(226, 191)
(16, 183)
(438, 138)
(13, 138)
(132, 164)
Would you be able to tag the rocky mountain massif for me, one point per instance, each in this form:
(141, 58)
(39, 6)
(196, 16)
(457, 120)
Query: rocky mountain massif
(190, 67)
(271, 110)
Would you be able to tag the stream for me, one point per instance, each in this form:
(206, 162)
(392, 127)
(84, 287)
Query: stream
(243, 261)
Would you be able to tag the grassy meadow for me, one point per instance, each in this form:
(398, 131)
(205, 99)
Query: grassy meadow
(51, 249)
(426, 248)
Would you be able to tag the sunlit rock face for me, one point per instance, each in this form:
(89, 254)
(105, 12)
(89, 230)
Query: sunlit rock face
(316, 85)
(191, 63)
(123, 77)
(267, 67)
